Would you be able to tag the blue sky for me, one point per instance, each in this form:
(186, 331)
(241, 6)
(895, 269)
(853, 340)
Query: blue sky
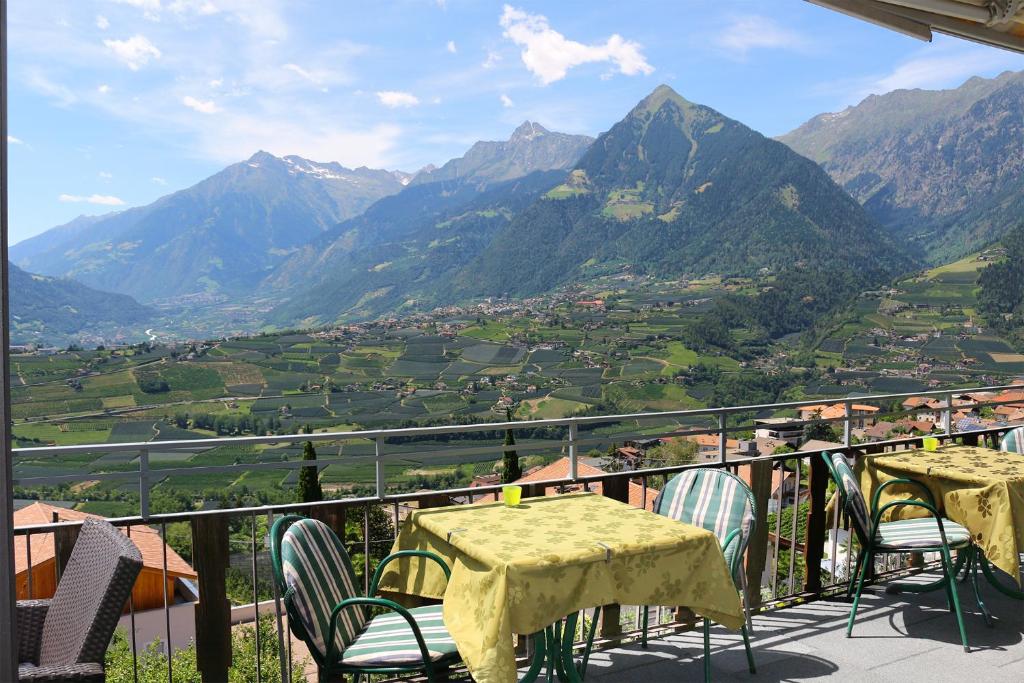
(114, 103)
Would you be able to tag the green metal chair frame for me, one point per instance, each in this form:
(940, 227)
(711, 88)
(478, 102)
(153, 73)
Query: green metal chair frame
(869, 546)
(329, 665)
(733, 535)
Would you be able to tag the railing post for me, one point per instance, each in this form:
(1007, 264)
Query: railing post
(721, 437)
(757, 550)
(814, 542)
(572, 451)
(378, 449)
(847, 424)
(144, 483)
(616, 488)
(212, 612)
(948, 414)
(64, 538)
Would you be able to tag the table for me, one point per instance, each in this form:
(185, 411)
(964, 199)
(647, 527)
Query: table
(980, 488)
(520, 569)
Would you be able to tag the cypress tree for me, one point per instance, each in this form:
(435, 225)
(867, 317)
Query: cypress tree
(309, 480)
(510, 459)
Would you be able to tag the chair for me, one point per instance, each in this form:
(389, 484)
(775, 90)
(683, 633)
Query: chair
(927, 534)
(65, 638)
(1013, 441)
(314, 575)
(722, 503)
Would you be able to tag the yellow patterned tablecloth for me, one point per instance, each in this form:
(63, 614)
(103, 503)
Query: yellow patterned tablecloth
(980, 488)
(517, 570)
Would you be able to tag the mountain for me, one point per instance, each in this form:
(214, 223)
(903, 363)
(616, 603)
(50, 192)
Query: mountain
(674, 188)
(222, 235)
(677, 188)
(55, 310)
(406, 247)
(531, 148)
(943, 169)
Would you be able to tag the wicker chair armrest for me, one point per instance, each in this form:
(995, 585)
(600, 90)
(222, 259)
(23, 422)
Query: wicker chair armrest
(88, 672)
(31, 615)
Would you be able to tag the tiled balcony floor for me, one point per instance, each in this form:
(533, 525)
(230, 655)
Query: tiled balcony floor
(896, 638)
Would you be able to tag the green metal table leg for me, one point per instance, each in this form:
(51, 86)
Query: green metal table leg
(539, 657)
(986, 567)
(906, 587)
(567, 670)
(972, 565)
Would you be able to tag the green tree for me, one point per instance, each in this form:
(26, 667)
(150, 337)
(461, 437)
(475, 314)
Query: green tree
(821, 431)
(510, 470)
(309, 479)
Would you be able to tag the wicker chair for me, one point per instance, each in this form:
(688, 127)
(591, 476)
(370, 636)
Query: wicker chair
(65, 638)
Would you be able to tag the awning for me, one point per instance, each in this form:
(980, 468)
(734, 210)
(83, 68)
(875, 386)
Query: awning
(999, 23)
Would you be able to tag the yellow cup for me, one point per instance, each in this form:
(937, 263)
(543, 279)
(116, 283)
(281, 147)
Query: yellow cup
(512, 494)
(930, 443)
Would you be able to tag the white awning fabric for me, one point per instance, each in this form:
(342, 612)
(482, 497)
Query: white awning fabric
(999, 23)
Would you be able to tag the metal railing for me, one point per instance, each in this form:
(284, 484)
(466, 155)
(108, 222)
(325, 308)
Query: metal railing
(794, 481)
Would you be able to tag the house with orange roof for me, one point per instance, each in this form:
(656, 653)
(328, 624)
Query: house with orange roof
(150, 587)
(861, 412)
(559, 469)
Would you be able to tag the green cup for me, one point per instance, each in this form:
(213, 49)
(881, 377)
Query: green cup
(512, 494)
(930, 443)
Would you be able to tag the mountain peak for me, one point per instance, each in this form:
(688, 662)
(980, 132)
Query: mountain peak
(658, 97)
(528, 130)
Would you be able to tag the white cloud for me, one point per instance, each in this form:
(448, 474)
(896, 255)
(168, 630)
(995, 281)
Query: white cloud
(201, 106)
(102, 23)
(103, 89)
(135, 51)
(104, 199)
(491, 59)
(396, 98)
(317, 78)
(11, 140)
(451, 47)
(754, 32)
(105, 175)
(506, 101)
(217, 82)
(158, 180)
(549, 55)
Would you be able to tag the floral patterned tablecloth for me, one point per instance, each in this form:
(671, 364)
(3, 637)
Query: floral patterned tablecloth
(519, 569)
(980, 488)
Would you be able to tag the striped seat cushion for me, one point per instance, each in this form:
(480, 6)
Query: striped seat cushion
(709, 498)
(388, 640)
(856, 506)
(920, 533)
(319, 575)
(1013, 441)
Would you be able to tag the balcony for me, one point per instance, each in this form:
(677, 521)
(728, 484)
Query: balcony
(796, 565)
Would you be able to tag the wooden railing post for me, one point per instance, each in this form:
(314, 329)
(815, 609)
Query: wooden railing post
(757, 550)
(213, 612)
(64, 539)
(616, 488)
(814, 543)
(331, 515)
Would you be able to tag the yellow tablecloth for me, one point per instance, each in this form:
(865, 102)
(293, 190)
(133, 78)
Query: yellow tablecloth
(980, 488)
(517, 570)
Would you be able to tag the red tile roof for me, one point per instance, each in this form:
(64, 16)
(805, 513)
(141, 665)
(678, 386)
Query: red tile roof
(146, 538)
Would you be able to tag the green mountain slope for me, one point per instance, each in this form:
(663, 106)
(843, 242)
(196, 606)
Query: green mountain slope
(944, 169)
(55, 310)
(676, 188)
(222, 235)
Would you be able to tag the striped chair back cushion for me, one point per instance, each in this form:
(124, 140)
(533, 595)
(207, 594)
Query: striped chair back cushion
(713, 499)
(1013, 441)
(318, 575)
(856, 506)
